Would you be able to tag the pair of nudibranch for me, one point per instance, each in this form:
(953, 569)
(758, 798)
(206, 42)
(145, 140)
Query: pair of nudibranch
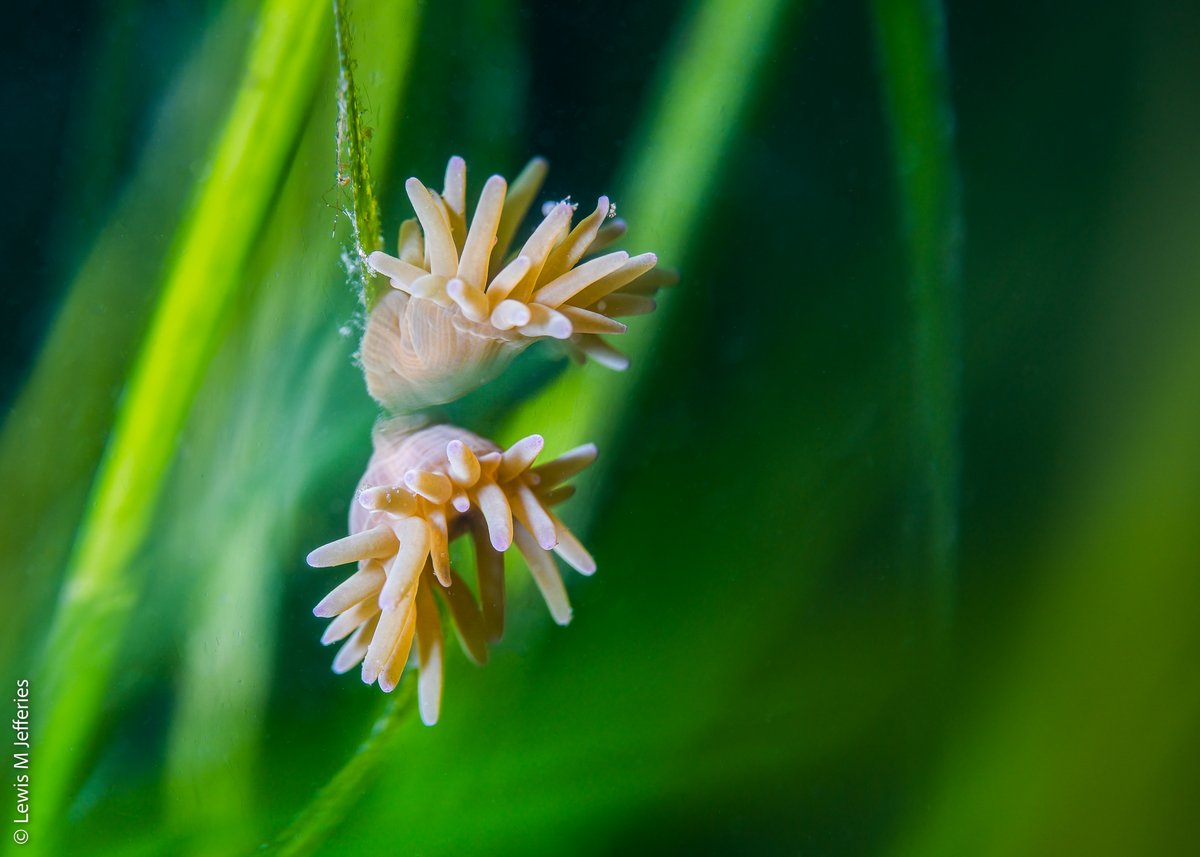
(459, 307)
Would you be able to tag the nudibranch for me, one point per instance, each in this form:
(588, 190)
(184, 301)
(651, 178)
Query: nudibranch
(461, 306)
(421, 490)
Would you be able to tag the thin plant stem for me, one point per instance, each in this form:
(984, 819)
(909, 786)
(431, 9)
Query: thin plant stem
(322, 815)
(356, 169)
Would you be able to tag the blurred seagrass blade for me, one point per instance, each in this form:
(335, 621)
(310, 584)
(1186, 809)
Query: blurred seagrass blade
(1099, 692)
(249, 155)
(1082, 737)
(701, 97)
(55, 432)
(230, 599)
(910, 38)
(268, 389)
(284, 383)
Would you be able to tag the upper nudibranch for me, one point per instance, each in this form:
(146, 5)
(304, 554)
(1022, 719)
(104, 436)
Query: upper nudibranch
(460, 307)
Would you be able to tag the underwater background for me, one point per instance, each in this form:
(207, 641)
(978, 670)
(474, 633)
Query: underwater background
(896, 510)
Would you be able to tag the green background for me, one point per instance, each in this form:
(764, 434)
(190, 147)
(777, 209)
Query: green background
(895, 514)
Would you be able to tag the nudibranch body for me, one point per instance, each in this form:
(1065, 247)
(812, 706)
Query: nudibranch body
(459, 308)
(421, 490)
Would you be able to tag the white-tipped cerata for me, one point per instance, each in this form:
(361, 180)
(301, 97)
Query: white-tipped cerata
(461, 306)
(423, 489)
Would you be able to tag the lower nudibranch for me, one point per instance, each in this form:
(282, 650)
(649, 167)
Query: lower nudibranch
(461, 306)
(421, 490)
